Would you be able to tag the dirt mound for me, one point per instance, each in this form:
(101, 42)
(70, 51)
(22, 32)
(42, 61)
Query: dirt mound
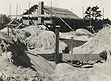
(79, 34)
(34, 30)
(83, 35)
(83, 32)
(11, 72)
(44, 42)
(66, 72)
(16, 64)
(97, 44)
(67, 35)
(101, 72)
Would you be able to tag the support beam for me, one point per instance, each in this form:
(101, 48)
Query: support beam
(71, 45)
(57, 59)
(40, 12)
(8, 30)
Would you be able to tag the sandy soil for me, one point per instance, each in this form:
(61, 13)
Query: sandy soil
(97, 44)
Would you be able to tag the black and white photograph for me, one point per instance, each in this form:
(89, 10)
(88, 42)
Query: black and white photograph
(55, 40)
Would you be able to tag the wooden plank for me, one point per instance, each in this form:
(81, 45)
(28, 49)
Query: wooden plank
(81, 57)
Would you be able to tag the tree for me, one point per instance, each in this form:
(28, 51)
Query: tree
(92, 14)
(4, 20)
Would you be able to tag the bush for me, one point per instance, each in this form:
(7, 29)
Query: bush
(4, 20)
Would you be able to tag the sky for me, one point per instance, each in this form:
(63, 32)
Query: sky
(76, 6)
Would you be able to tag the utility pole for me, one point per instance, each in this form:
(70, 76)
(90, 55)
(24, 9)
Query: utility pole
(57, 58)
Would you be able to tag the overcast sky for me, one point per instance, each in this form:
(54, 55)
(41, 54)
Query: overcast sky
(73, 5)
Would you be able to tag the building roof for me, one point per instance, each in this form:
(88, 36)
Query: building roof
(56, 12)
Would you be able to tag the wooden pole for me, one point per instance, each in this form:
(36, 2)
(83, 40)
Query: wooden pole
(57, 45)
(40, 12)
(90, 20)
(29, 13)
(10, 10)
(19, 10)
(103, 13)
(51, 12)
(83, 13)
(71, 45)
(8, 30)
(16, 10)
(103, 17)
(34, 15)
(72, 9)
(10, 17)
